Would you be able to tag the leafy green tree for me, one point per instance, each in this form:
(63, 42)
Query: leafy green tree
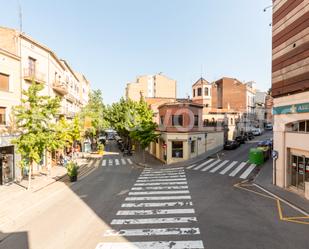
(33, 118)
(95, 111)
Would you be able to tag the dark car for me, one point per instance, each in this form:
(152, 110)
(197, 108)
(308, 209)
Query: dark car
(250, 135)
(231, 145)
(241, 139)
(266, 143)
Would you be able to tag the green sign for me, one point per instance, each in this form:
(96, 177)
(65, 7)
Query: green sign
(290, 109)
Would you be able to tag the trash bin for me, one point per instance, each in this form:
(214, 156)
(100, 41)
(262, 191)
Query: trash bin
(256, 156)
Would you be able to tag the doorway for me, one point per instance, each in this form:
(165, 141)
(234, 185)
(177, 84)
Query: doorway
(299, 171)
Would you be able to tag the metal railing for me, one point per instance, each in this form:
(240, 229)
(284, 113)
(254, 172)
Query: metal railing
(34, 75)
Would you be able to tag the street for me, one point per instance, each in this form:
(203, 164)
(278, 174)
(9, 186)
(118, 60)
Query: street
(125, 206)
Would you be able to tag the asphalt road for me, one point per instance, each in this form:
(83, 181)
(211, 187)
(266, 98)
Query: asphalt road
(116, 207)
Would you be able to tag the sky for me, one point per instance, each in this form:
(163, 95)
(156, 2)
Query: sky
(112, 42)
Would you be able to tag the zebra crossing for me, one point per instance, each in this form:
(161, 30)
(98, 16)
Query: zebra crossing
(157, 213)
(241, 170)
(109, 162)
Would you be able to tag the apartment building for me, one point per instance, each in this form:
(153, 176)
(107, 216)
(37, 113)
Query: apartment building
(151, 86)
(232, 94)
(290, 90)
(10, 93)
(23, 60)
(183, 135)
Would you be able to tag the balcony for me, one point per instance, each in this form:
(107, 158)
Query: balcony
(64, 111)
(31, 75)
(60, 87)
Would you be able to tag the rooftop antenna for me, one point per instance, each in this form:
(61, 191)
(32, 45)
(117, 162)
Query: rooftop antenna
(201, 71)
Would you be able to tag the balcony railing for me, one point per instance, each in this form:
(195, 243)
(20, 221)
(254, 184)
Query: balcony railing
(60, 87)
(34, 75)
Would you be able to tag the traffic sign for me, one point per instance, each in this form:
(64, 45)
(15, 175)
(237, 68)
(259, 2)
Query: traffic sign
(274, 154)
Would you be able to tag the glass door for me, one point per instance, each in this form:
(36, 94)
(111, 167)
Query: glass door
(294, 171)
(301, 173)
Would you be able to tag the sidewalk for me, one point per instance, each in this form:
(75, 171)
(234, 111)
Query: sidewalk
(264, 179)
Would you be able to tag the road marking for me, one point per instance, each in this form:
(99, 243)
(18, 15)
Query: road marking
(203, 164)
(159, 198)
(188, 244)
(160, 188)
(191, 166)
(171, 220)
(219, 166)
(172, 192)
(164, 169)
(104, 163)
(123, 161)
(211, 165)
(161, 177)
(153, 231)
(239, 168)
(156, 211)
(129, 160)
(161, 183)
(228, 168)
(117, 162)
(157, 204)
(110, 162)
(162, 180)
(164, 174)
(248, 171)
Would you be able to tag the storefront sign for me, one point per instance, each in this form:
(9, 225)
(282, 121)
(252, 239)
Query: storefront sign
(290, 109)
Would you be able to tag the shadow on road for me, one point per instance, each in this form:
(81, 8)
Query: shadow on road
(18, 240)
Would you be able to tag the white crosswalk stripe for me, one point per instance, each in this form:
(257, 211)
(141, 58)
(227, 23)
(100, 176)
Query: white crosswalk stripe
(247, 171)
(157, 204)
(194, 244)
(211, 165)
(123, 161)
(104, 163)
(129, 160)
(238, 168)
(156, 211)
(203, 164)
(161, 196)
(172, 192)
(110, 163)
(219, 166)
(153, 231)
(228, 168)
(160, 188)
(117, 162)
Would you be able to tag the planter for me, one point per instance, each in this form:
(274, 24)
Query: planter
(73, 178)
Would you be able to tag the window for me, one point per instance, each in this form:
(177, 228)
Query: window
(195, 120)
(206, 91)
(193, 92)
(205, 123)
(2, 116)
(4, 82)
(31, 64)
(192, 146)
(177, 149)
(177, 120)
(199, 91)
(162, 120)
(302, 126)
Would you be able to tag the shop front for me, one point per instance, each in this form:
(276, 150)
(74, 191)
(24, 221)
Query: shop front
(299, 171)
(7, 170)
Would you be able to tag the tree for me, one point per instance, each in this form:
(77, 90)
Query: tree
(33, 118)
(95, 111)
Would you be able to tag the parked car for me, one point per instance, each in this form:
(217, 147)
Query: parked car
(266, 143)
(241, 139)
(250, 135)
(231, 145)
(256, 131)
(269, 127)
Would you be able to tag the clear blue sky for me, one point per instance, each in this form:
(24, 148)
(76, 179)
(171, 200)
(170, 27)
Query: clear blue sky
(113, 41)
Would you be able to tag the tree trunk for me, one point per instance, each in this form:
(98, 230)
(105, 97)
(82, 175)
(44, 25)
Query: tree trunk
(29, 176)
